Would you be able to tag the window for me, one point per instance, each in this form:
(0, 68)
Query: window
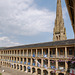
(53, 51)
(61, 51)
(70, 51)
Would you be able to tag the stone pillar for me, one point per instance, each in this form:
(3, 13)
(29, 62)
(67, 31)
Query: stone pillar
(48, 52)
(31, 61)
(36, 62)
(31, 70)
(31, 53)
(41, 72)
(22, 68)
(56, 64)
(48, 63)
(16, 66)
(36, 52)
(19, 59)
(49, 73)
(66, 66)
(56, 52)
(42, 52)
(19, 67)
(42, 62)
(65, 52)
(56, 73)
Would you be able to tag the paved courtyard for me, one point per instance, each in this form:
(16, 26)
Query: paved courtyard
(9, 71)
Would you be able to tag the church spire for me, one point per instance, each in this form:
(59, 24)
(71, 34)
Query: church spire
(59, 29)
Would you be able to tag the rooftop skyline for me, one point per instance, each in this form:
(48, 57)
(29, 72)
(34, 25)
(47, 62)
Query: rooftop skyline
(30, 21)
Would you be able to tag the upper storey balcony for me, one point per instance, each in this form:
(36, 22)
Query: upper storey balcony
(61, 52)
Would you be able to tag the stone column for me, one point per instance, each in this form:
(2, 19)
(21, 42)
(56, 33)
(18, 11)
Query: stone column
(36, 62)
(56, 73)
(48, 52)
(65, 52)
(56, 64)
(56, 52)
(31, 61)
(31, 70)
(49, 73)
(41, 72)
(66, 66)
(36, 52)
(42, 52)
(22, 68)
(48, 63)
(19, 59)
(16, 66)
(42, 62)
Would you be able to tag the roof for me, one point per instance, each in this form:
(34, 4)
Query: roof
(46, 44)
(70, 7)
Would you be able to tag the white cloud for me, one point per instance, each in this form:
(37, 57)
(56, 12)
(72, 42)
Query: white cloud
(5, 41)
(21, 17)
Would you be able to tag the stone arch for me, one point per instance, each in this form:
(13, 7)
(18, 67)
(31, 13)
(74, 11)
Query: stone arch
(17, 67)
(45, 72)
(33, 70)
(20, 67)
(39, 71)
(52, 73)
(60, 74)
(14, 66)
(29, 69)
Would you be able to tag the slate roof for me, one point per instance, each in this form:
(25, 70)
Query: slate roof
(46, 44)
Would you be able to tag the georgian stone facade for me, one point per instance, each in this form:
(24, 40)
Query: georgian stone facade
(40, 59)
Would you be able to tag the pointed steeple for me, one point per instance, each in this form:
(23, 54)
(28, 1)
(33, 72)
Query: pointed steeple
(59, 29)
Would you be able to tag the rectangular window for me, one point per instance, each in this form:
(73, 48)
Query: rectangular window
(53, 51)
(70, 51)
(61, 51)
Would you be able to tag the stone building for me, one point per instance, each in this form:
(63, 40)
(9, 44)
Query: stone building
(49, 58)
(59, 32)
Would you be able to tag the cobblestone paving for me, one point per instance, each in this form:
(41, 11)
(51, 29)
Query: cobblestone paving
(9, 71)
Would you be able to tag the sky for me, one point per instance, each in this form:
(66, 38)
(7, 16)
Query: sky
(30, 21)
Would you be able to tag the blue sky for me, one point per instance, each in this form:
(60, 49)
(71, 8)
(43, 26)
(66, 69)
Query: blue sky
(30, 21)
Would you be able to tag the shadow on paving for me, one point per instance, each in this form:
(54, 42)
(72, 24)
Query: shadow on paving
(9, 71)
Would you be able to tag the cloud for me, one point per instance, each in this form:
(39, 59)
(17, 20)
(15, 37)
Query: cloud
(22, 17)
(5, 41)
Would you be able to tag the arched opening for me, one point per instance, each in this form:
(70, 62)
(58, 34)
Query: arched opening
(33, 70)
(14, 66)
(52, 73)
(45, 72)
(61, 74)
(29, 69)
(57, 37)
(24, 68)
(38, 71)
(20, 67)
